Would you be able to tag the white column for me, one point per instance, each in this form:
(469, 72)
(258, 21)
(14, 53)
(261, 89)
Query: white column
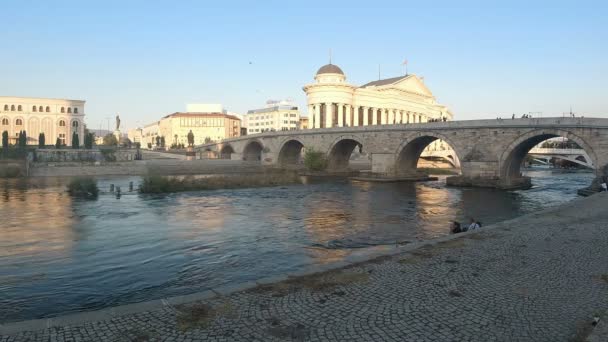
(311, 114)
(317, 118)
(383, 116)
(356, 116)
(374, 116)
(348, 114)
(391, 116)
(340, 115)
(329, 115)
(365, 116)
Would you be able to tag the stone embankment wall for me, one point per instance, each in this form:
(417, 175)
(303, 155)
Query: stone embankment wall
(12, 168)
(81, 155)
(143, 167)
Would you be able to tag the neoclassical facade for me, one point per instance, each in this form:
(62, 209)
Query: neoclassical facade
(56, 118)
(332, 102)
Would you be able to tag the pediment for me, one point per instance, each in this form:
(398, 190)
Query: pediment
(411, 84)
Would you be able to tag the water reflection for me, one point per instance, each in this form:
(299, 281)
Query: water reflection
(59, 255)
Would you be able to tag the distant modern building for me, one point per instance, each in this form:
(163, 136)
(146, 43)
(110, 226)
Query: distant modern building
(303, 122)
(56, 118)
(276, 116)
(333, 102)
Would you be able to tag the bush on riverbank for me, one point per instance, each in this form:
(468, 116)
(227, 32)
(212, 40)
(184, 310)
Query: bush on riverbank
(163, 184)
(85, 187)
(315, 160)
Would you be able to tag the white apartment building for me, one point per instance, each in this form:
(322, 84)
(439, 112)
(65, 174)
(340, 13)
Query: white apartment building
(276, 116)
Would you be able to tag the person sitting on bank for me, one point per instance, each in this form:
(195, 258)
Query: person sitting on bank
(455, 227)
(473, 225)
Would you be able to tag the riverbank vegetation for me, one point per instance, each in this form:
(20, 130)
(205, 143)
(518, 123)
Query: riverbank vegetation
(315, 160)
(164, 184)
(85, 187)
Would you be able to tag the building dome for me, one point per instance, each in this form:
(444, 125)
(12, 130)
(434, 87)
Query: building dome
(330, 69)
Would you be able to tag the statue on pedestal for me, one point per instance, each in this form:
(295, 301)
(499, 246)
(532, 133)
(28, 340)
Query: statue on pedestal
(117, 122)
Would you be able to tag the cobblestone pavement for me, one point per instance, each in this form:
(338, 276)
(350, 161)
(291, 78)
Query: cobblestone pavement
(537, 278)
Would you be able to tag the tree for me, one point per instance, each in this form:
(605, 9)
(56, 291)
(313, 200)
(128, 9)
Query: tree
(5, 139)
(110, 140)
(41, 140)
(75, 140)
(58, 143)
(22, 139)
(89, 137)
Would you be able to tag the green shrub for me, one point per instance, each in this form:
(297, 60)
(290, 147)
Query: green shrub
(315, 161)
(108, 155)
(85, 187)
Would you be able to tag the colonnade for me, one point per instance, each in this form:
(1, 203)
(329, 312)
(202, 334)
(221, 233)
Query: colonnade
(327, 115)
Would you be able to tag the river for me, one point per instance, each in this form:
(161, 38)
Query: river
(60, 255)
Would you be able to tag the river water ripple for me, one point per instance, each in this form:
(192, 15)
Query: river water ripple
(59, 255)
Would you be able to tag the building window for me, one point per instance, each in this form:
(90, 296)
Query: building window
(4, 122)
(75, 110)
(62, 110)
(34, 109)
(61, 123)
(40, 109)
(69, 110)
(18, 122)
(48, 109)
(75, 124)
(19, 108)
(62, 138)
(6, 108)
(12, 108)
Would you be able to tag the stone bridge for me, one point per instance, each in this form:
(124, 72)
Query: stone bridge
(490, 151)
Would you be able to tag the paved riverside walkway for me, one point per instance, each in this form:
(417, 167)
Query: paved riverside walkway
(541, 277)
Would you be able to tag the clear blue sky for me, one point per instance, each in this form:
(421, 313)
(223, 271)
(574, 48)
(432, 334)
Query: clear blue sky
(146, 59)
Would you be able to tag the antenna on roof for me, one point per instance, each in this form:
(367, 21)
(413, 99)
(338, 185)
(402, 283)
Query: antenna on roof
(378, 71)
(329, 55)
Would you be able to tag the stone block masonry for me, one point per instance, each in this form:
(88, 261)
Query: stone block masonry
(490, 151)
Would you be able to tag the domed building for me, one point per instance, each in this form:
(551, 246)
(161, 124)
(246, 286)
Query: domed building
(333, 102)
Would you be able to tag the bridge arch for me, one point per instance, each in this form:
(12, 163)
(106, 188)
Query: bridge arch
(338, 155)
(512, 157)
(409, 151)
(226, 151)
(290, 152)
(253, 151)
